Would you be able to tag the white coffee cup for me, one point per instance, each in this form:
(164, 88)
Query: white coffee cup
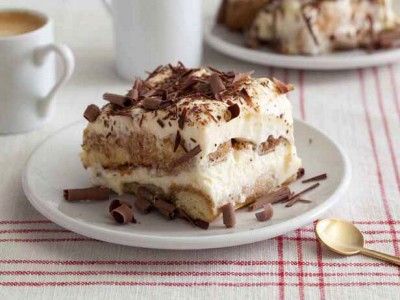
(149, 33)
(28, 79)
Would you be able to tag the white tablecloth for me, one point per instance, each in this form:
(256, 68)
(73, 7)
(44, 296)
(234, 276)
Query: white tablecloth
(358, 109)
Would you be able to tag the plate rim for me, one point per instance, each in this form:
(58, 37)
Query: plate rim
(298, 62)
(228, 239)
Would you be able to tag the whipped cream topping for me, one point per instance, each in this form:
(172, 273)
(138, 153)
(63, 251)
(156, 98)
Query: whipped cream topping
(314, 27)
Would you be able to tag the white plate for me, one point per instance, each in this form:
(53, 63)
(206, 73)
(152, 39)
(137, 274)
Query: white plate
(232, 44)
(55, 165)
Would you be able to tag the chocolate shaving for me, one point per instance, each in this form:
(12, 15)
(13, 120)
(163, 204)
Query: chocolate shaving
(91, 113)
(279, 195)
(293, 199)
(241, 76)
(165, 208)
(246, 96)
(304, 200)
(266, 213)
(283, 88)
(228, 215)
(186, 157)
(202, 224)
(141, 121)
(143, 205)
(123, 214)
(216, 84)
(177, 140)
(121, 101)
(151, 103)
(93, 193)
(316, 178)
(232, 112)
(182, 119)
(161, 123)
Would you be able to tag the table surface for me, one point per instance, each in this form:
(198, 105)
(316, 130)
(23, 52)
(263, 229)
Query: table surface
(359, 109)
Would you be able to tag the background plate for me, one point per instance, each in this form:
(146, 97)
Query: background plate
(232, 44)
(55, 165)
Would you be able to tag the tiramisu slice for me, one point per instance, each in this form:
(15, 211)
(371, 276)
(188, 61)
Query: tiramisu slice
(321, 26)
(200, 138)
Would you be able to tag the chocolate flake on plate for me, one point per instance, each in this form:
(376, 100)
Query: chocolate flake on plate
(202, 224)
(114, 204)
(165, 208)
(91, 113)
(279, 195)
(93, 193)
(316, 178)
(228, 215)
(123, 214)
(266, 213)
(300, 173)
(182, 119)
(293, 199)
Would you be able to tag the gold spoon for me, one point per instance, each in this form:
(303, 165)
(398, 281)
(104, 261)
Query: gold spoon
(344, 238)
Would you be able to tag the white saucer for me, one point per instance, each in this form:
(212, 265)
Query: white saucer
(55, 165)
(232, 44)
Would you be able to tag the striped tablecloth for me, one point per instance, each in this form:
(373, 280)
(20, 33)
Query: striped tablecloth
(359, 109)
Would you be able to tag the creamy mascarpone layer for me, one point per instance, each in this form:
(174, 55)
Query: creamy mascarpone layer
(222, 182)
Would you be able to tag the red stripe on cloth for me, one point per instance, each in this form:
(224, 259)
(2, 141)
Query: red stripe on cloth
(184, 284)
(190, 273)
(16, 240)
(300, 264)
(388, 136)
(376, 159)
(395, 90)
(281, 269)
(6, 222)
(33, 230)
(190, 263)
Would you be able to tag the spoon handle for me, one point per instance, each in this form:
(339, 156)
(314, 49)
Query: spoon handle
(381, 256)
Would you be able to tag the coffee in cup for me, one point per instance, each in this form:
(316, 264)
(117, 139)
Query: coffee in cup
(19, 22)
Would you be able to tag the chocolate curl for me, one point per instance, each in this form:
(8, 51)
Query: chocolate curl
(114, 204)
(91, 113)
(121, 101)
(123, 214)
(143, 205)
(165, 208)
(145, 194)
(232, 112)
(94, 193)
(228, 215)
(316, 178)
(151, 103)
(216, 84)
(177, 140)
(282, 88)
(279, 195)
(186, 157)
(265, 214)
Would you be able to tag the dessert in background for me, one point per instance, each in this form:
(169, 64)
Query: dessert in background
(313, 27)
(201, 139)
